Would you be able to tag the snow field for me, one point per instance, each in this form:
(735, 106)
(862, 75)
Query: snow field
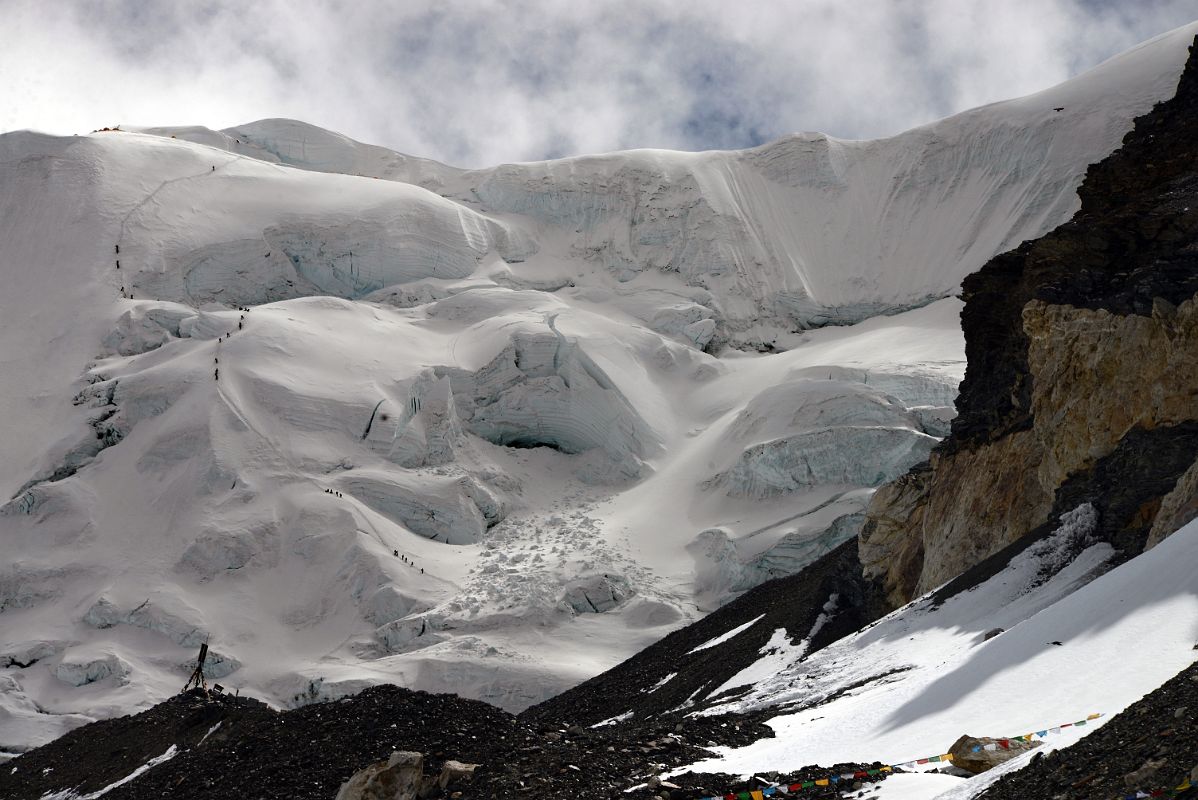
(912, 683)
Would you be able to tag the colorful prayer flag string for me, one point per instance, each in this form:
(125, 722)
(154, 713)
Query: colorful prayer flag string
(832, 780)
(770, 791)
(1005, 744)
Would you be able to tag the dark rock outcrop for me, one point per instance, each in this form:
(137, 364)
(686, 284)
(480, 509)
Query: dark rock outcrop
(1082, 352)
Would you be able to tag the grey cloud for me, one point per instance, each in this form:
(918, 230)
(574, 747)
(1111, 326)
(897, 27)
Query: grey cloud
(475, 83)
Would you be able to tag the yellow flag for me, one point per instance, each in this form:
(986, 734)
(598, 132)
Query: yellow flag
(1094, 716)
(888, 769)
(822, 782)
(756, 795)
(946, 757)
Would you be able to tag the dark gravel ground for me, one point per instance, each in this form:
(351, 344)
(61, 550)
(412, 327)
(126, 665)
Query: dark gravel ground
(308, 752)
(1118, 759)
(256, 752)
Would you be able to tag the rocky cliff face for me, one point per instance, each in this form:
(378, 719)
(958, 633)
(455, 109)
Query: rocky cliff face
(1082, 384)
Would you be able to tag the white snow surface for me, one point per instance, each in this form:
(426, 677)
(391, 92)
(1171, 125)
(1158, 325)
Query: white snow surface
(1084, 641)
(486, 432)
(723, 637)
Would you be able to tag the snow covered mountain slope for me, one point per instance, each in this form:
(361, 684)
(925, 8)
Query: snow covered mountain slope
(1079, 642)
(351, 430)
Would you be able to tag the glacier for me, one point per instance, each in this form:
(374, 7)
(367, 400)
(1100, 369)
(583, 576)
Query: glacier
(352, 416)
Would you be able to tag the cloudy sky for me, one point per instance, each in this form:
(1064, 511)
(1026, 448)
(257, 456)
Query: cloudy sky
(477, 82)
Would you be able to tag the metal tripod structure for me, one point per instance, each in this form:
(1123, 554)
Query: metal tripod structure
(197, 675)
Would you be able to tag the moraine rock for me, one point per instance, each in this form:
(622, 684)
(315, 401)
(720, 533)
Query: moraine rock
(400, 777)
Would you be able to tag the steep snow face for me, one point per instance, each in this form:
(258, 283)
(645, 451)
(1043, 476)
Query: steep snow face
(988, 662)
(473, 437)
(774, 235)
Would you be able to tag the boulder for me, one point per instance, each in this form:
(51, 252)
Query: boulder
(1145, 775)
(965, 757)
(455, 772)
(400, 777)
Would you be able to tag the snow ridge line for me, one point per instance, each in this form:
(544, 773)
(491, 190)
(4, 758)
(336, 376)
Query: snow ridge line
(831, 780)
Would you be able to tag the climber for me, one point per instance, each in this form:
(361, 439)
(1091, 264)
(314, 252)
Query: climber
(240, 325)
(395, 553)
(118, 263)
(216, 375)
(118, 248)
(214, 168)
